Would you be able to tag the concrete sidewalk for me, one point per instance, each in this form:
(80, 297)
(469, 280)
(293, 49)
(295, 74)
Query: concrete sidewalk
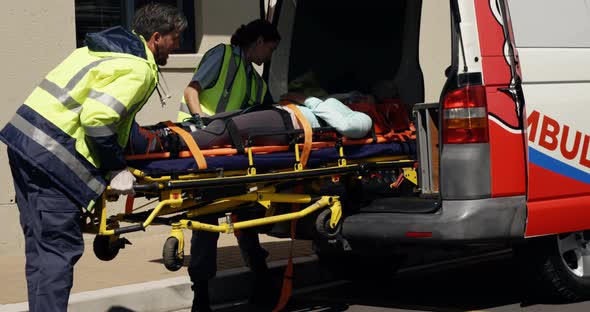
(137, 269)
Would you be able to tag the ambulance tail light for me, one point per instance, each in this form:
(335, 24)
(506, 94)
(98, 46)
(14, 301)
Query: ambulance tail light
(465, 117)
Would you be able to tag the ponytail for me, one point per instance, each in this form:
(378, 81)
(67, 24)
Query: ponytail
(247, 34)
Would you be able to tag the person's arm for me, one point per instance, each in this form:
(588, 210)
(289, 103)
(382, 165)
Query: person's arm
(205, 77)
(191, 95)
(119, 85)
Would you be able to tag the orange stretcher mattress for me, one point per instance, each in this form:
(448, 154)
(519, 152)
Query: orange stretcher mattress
(276, 157)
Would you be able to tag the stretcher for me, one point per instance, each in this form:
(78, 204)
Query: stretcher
(279, 183)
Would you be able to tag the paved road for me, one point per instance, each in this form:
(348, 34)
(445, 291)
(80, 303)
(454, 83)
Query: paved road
(488, 286)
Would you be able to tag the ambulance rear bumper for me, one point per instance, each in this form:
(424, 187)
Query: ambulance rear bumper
(489, 219)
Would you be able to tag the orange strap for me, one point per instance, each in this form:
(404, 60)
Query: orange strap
(287, 288)
(190, 143)
(307, 132)
(129, 204)
(226, 151)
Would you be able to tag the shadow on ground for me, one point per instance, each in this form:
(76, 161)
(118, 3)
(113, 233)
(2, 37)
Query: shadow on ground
(229, 257)
(119, 309)
(482, 286)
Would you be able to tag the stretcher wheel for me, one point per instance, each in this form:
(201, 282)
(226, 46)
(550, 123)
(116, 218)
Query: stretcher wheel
(172, 261)
(323, 228)
(104, 249)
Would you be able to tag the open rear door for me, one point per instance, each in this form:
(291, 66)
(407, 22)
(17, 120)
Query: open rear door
(556, 89)
(505, 108)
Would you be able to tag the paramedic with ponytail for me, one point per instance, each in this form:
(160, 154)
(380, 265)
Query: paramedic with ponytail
(226, 80)
(65, 143)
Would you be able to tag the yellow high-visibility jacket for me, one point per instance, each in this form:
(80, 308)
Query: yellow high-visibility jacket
(76, 123)
(230, 89)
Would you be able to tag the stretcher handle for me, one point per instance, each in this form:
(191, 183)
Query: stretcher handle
(150, 187)
(129, 229)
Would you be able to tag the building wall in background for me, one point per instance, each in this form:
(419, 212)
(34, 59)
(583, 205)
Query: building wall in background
(39, 34)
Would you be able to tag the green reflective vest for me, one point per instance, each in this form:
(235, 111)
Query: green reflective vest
(230, 90)
(95, 94)
(82, 111)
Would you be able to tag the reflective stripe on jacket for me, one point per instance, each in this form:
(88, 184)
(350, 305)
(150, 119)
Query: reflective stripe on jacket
(76, 123)
(230, 90)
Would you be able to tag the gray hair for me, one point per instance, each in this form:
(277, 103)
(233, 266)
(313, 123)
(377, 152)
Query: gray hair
(158, 17)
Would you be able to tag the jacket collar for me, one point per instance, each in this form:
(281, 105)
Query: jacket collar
(120, 42)
(116, 40)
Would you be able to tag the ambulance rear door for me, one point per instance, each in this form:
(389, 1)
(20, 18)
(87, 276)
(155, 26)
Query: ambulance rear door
(554, 49)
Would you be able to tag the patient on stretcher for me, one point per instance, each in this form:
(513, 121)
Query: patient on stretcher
(263, 127)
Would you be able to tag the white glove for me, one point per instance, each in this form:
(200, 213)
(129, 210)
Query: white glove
(122, 182)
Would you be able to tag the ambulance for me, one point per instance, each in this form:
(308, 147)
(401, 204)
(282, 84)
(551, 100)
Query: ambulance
(499, 93)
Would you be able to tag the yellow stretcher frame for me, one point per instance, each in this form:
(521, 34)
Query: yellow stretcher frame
(261, 190)
(175, 203)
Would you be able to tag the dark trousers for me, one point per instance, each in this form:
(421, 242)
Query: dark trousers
(53, 238)
(203, 261)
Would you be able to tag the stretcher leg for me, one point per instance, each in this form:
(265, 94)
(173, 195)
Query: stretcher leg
(332, 201)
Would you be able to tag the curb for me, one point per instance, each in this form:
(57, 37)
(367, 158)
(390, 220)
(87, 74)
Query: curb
(175, 293)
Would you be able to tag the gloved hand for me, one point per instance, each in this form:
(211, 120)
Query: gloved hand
(196, 120)
(122, 182)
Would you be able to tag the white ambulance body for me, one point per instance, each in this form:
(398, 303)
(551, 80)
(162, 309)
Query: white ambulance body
(500, 91)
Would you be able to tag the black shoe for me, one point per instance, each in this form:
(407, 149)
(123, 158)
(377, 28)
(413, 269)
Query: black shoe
(201, 297)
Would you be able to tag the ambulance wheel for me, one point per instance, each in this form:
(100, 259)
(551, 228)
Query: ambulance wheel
(172, 261)
(104, 249)
(559, 266)
(323, 228)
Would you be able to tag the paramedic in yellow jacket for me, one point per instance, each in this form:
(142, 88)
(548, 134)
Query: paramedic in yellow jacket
(65, 143)
(225, 80)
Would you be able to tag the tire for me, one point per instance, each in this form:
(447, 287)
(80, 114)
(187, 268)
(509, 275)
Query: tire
(322, 226)
(104, 249)
(170, 256)
(558, 266)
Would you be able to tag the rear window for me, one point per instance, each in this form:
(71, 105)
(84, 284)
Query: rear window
(550, 23)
